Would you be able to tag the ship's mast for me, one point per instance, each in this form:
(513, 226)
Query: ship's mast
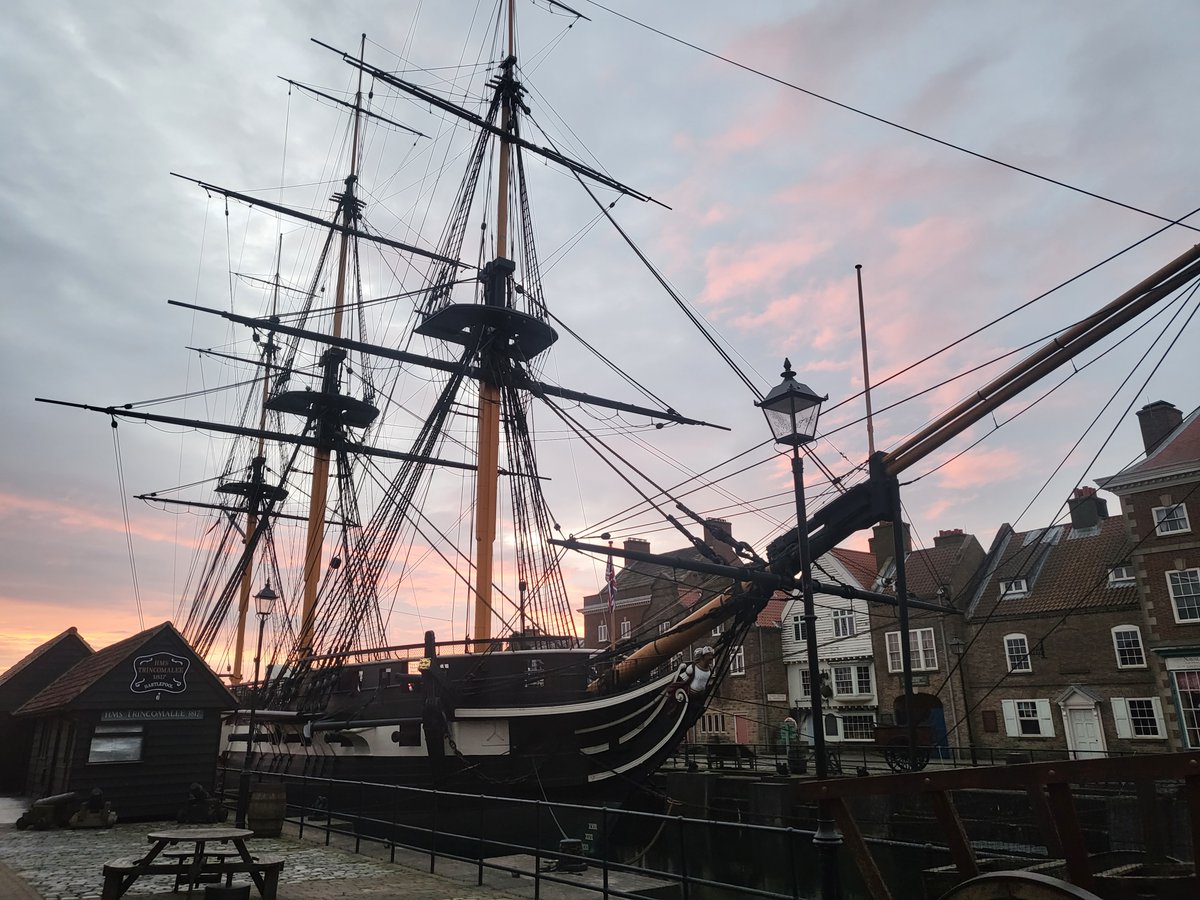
(331, 362)
(488, 476)
(257, 486)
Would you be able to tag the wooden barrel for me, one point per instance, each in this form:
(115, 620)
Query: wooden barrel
(268, 805)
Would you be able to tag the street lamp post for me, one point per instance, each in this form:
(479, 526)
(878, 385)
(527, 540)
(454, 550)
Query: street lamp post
(958, 646)
(264, 601)
(791, 410)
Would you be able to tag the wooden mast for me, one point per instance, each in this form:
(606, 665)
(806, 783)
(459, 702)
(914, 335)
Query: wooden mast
(254, 499)
(332, 362)
(488, 475)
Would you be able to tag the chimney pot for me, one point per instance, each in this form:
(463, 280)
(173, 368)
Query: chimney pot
(1157, 420)
(1087, 507)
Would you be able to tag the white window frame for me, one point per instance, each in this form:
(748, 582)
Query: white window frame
(1127, 722)
(1185, 578)
(712, 723)
(1018, 711)
(1014, 587)
(843, 676)
(922, 648)
(1174, 517)
(843, 623)
(805, 683)
(858, 727)
(717, 630)
(862, 675)
(1125, 630)
(737, 661)
(1186, 686)
(626, 628)
(1121, 576)
(664, 627)
(602, 632)
(1018, 659)
(799, 628)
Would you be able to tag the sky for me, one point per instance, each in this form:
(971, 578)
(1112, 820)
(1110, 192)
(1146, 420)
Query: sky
(775, 196)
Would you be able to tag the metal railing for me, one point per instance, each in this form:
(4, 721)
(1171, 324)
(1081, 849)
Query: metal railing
(628, 851)
(853, 757)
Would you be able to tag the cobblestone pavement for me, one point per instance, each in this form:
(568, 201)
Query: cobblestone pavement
(61, 864)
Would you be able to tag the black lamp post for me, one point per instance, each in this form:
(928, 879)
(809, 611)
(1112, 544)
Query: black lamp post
(791, 410)
(264, 602)
(958, 646)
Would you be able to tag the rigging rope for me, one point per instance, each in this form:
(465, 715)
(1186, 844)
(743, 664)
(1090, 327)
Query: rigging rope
(137, 591)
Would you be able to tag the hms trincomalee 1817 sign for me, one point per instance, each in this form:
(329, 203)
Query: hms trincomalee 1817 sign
(160, 672)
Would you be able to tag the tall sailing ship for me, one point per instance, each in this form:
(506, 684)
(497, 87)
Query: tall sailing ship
(517, 705)
(329, 442)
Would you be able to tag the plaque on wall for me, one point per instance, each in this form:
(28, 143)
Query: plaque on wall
(162, 671)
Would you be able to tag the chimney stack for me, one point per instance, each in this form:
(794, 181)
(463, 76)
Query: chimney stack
(950, 537)
(711, 528)
(1087, 508)
(635, 545)
(1158, 419)
(883, 545)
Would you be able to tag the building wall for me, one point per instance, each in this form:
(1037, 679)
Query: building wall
(749, 707)
(832, 651)
(1175, 644)
(1078, 653)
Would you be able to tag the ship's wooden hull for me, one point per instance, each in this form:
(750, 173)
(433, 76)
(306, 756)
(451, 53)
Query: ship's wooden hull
(542, 738)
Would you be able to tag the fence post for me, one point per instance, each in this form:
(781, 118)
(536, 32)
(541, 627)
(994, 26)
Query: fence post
(537, 850)
(303, 799)
(604, 847)
(328, 811)
(434, 837)
(359, 819)
(480, 875)
(392, 834)
(685, 887)
(791, 855)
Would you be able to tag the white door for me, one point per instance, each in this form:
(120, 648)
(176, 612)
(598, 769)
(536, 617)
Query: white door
(1083, 733)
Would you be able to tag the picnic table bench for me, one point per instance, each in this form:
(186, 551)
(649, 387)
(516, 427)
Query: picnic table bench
(191, 866)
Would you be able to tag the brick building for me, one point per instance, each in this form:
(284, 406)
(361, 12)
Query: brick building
(1055, 659)
(944, 574)
(751, 701)
(1160, 502)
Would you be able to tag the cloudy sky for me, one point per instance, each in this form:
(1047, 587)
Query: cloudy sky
(775, 196)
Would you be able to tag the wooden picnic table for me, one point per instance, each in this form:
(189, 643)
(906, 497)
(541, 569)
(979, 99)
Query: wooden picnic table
(193, 859)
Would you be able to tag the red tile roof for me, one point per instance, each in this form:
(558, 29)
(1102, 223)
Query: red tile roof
(771, 614)
(859, 563)
(1179, 447)
(1064, 576)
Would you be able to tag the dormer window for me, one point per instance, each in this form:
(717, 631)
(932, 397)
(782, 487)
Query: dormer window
(1171, 520)
(1014, 587)
(1120, 576)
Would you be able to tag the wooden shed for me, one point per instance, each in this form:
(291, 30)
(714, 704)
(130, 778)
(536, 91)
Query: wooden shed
(17, 686)
(140, 720)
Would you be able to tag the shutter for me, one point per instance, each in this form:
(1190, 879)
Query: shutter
(1045, 720)
(1011, 728)
(1121, 717)
(1158, 716)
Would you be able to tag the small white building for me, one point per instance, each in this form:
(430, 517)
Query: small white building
(850, 700)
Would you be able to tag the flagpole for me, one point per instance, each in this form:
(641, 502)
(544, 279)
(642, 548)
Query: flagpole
(610, 588)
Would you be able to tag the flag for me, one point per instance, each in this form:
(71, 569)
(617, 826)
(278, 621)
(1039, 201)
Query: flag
(610, 578)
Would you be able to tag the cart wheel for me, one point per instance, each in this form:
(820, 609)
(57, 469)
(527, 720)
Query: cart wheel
(1017, 886)
(900, 760)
